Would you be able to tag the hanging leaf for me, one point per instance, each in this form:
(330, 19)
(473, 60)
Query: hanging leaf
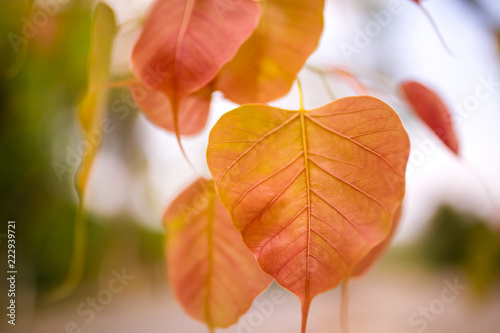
(212, 273)
(311, 192)
(185, 43)
(367, 262)
(431, 109)
(193, 110)
(93, 106)
(268, 62)
(91, 113)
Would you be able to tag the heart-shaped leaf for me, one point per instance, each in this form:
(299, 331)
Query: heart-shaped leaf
(431, 109)
(312, 192)
(267, 64)
(212, 273)
(185, 43)
(193, 109)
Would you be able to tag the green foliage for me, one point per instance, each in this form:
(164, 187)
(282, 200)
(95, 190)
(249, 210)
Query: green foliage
(468, 243)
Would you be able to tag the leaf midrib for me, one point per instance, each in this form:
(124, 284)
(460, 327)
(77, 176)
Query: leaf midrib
(178, 43)
(308, 189)
(210, 254)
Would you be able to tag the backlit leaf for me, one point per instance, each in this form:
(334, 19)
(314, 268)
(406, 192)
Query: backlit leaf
(185, 43)
(431, 109)
(312, 192)
(193, 109)
(267, 64)
(212, 273)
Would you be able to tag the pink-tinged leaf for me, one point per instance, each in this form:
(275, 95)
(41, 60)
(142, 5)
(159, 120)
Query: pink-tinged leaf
(185, 43)
(312, 192)
(351, 79)
(431, 109)
(193, 109)
(211, 271)
(267, 64)
(371, 258)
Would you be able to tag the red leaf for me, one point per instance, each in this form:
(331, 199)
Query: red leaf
(185, 42)
(433, 112)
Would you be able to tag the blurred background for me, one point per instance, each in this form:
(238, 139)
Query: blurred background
(449, 237)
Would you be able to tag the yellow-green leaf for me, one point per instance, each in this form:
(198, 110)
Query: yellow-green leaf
(91, 112)
(93, 107)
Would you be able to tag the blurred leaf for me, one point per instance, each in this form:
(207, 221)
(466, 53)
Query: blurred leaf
(431, 109)
(193, 109)
(91, 113)
(185, 43)
(213, 275)
(94, 104)
(269, 61)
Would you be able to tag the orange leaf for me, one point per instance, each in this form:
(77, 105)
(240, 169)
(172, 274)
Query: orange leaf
(431, 109)
(193, 110)
(213, 275)
(185, 43)
(367, 262)
(266, 65)
(312, 192)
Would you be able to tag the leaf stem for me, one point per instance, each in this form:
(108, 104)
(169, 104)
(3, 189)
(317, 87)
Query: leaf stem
(436, 29)
(323, 77)
(301, 95)
(210, 253)
(344, 307)
(306, 303)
